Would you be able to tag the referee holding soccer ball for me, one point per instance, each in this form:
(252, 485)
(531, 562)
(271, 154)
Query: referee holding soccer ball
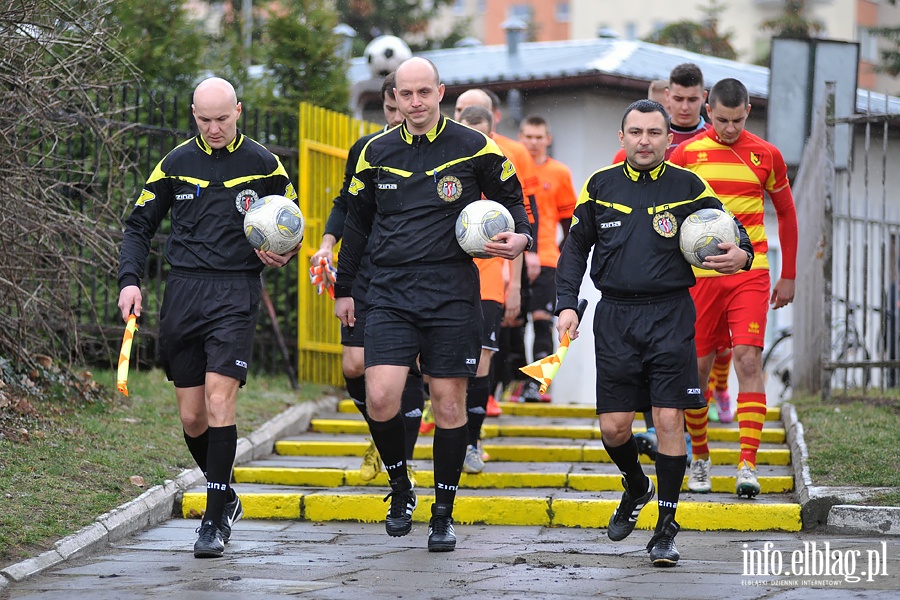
(629, 214)
(208, 315)
(410, 185)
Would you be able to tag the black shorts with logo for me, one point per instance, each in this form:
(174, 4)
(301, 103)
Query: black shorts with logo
(645, 353)
(206, 325)
(492, 312)
(431, 311)
(543, 291)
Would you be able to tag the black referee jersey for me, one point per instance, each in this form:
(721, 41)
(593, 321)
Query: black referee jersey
(207, 192)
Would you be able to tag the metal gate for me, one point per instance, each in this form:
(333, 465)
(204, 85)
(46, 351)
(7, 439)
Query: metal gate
(846, 329)
(325, 137)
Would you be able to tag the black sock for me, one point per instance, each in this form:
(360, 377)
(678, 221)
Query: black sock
(543, 338)
(198, 446)
(626, 458)
(389, 439)
(515, 357)
(477, 393)
(449, 453)
(499, 365)
(411, 403)
(356, 389)
(648, 418)
(669, 477)
(220, 460)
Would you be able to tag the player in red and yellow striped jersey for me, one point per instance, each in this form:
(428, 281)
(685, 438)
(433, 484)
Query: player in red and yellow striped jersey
(731, 310)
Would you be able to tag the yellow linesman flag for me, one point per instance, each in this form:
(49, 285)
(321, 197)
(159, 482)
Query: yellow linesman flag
(125, 355)
(544, 370)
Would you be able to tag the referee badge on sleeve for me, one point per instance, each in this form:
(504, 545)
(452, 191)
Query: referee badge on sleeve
(664, 224)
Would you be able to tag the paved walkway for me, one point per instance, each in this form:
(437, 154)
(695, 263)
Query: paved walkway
(287, 559)
(138, 551)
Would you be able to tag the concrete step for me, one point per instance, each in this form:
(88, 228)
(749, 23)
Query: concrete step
(547, 467)
(551, 507)
(538, 427)
(537, 409)
(515, 449)
(499, 476)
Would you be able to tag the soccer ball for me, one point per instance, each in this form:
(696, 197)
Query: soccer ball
(703, 231)
(479, 223)
(274, 223)
(385, 53)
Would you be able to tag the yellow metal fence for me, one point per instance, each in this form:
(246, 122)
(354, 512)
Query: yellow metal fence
(325, 137)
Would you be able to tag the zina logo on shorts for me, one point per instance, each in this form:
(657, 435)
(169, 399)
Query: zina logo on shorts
(241, 363)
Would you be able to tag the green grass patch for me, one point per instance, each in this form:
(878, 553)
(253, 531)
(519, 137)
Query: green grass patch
(64, 464)
(852, 442)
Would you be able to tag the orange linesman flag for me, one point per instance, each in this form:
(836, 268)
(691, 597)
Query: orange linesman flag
(544, 370)
(125, 355)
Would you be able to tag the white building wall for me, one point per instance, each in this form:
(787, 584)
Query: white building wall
(742, 18)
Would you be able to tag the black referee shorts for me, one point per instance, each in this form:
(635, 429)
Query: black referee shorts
(206, 325)
(645, 354)
(433, 312)
(355, 336)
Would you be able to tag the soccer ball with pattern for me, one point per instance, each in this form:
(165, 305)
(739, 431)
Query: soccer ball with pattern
(703, 231)
(479, 223)
(385, 53)
(274, 223)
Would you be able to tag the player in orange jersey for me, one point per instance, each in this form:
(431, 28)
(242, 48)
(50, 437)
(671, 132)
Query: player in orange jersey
(497, 300)
(731, 310)
(556, 201)
(512, 343)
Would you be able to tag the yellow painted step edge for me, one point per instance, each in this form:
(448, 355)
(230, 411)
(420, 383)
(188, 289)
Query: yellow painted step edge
(585, 482)
(586, 411)
(770, 435)
(703, 516)
(520, 452)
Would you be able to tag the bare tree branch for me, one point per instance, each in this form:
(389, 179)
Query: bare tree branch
(62, 165)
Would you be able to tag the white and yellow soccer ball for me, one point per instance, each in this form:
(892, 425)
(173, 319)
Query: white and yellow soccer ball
(479, 223)
(274, 223)
(703, 231)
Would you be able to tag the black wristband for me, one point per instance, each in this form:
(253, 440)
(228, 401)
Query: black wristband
(530, 243)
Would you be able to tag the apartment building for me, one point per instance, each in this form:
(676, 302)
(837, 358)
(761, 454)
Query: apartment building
(550, 20)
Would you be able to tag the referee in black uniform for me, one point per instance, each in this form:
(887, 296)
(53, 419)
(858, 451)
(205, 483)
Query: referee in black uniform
(352, 361)
(209, 310)
(411, 183)
(629, 213)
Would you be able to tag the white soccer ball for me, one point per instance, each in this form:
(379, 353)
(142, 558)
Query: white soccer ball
(385, 53)
(479, 223)
(274, 223)
(703, 231)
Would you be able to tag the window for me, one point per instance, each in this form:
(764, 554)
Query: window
(562, 12)
(630, 30)
(481, 6)
(868, 45)
(459, 7)
(520, 11)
